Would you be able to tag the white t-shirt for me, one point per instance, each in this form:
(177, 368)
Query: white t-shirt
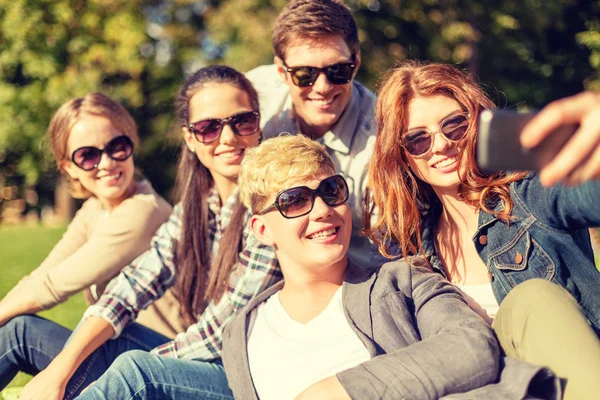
(481, 299)
(286, 357)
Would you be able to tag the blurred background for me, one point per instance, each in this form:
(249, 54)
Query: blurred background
(526, 53)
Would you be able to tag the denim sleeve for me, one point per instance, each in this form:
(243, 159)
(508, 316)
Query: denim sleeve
(457, 352)
(559, 206)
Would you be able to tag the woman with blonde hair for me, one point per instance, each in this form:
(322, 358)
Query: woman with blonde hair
(490, 234)
(93, 140)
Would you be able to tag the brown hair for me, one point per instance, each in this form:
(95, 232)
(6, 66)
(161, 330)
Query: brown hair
(313, 19)
(70, 113)
(397, 192)
(200, 279)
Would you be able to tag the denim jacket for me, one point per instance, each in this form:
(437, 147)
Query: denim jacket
(547, 237)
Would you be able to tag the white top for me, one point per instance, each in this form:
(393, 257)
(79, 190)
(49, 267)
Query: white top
(286, 357)
(481, 299)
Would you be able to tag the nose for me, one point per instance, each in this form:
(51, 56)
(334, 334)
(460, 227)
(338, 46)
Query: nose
(440, 142)
(227, 135)
(320, 209)
(105, 162)
(322, 84)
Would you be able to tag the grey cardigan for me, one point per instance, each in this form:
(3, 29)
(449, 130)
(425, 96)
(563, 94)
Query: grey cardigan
(424, 342)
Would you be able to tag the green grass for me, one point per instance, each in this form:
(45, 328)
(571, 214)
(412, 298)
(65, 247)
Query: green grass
(23, 249)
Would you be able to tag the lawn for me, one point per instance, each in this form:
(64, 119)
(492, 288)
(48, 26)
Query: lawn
(23, 249)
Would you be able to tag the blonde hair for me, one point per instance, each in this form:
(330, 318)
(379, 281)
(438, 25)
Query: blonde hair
(70, 113)
(277, 164)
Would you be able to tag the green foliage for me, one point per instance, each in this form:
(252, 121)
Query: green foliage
(531, 51)
(525, 52)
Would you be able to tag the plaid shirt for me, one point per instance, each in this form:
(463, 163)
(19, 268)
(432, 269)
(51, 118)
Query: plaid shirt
(152, 273)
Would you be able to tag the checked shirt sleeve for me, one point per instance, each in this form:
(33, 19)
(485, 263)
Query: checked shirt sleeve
(143, 281)
(257, 270)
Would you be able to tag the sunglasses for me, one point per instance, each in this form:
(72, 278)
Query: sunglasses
(419, 141)
(209, 130)
(337, 74)
(87, 158)
(298, 201)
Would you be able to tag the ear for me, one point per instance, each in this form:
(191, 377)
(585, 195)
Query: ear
(68, 167)
(357, 62)
(280, 69)
(189, 138)
(260, 230)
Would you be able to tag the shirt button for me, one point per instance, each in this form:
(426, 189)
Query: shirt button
(518, 258)
(483, 240)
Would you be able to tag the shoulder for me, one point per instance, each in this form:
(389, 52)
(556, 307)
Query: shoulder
(265, 77)
(143, 208)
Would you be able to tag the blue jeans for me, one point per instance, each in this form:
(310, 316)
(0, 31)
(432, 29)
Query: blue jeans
(140, 375)
(29, 343)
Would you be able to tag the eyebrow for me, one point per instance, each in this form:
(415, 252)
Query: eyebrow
(424, 127)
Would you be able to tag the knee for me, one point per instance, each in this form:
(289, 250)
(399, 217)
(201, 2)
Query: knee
(17, 325)
(537, 293)
(131, 359)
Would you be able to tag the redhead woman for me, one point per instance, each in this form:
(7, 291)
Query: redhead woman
(204, 251)
(93, 140)
(491, 235)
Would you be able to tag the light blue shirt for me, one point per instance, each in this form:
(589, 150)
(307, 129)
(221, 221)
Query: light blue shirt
(350, 143)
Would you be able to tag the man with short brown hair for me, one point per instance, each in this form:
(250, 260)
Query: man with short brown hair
(317, 55)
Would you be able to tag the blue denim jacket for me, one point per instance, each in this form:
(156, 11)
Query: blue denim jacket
(547, 238)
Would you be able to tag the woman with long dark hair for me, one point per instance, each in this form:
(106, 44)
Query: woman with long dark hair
(204, 251)
(490, 234)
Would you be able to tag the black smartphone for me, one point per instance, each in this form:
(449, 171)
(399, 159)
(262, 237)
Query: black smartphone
(499, 148)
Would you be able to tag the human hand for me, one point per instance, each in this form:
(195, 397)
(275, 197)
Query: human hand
(47, 385)
(328, 388)
(579, 160)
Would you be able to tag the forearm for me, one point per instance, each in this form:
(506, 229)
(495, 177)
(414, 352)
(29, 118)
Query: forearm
(17, 302)
(93, 333)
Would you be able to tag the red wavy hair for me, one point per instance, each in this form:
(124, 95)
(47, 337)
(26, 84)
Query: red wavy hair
(397, 192)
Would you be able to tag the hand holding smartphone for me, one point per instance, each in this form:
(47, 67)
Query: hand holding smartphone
(499, 146)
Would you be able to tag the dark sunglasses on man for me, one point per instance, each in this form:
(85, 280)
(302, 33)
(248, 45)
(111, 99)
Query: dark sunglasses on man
(298, 201)
(87, 158)
(337, 74)
(209, 130)
(418, 142)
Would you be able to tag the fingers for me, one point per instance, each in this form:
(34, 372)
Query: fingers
(570, 110)
(572, 155)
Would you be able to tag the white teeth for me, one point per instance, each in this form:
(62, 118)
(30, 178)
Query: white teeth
(444, 163)
(322, 102)
(111, 177)
(324, 233)
(230, 154)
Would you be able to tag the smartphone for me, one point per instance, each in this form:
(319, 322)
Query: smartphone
(499, 147)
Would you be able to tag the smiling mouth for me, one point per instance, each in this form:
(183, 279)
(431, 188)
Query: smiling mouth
(111, 177)
(322, 102)
(445, 163)
(231, 153)
(325, 233)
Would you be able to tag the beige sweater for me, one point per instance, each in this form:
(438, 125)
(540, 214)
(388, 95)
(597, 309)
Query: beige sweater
(96, 245)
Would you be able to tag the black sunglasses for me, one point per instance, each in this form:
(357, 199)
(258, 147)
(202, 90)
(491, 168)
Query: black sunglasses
(419, 141)
(298, 201)
(87, 158)
(209, 130)
(338, 74)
